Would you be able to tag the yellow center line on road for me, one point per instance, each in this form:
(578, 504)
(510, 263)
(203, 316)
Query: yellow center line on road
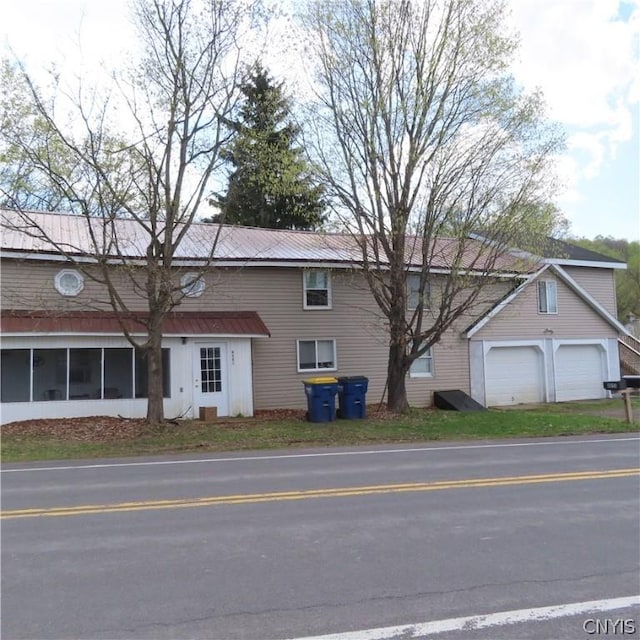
(314, 493)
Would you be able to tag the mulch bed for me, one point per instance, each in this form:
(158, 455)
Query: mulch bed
(94, 429)
(110, 428)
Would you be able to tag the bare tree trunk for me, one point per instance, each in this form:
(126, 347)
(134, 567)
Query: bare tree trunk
(396, 377)
(397, 363)
(155, 405)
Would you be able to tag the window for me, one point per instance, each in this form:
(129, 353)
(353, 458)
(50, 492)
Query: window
(547, 296)
(414, 292)
(50, 374)
(210, 370)
(192, 285)
(316, 355)
(317, 289)
(76, 374)
(85, 371)
(118, 374)
(16, 375)
(69, 282)
(142, 374)
(422, 367)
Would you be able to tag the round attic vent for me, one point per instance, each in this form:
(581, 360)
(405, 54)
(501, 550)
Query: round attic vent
(69, 282)
(192, 285)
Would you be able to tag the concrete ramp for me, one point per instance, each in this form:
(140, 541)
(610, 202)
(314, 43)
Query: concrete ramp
(456, 400)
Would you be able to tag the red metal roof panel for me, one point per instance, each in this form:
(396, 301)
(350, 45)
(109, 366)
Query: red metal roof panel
(247, 323)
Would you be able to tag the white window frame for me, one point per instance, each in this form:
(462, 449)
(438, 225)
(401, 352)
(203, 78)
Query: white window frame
(306, 288)
(415, 292)
(316, 341)
(428, 356)
(192, 285)
(70, 292)
(548, 285)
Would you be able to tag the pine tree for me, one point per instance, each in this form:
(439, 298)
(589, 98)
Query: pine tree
(271, 185)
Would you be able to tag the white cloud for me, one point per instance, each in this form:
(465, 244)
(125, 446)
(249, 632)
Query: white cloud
(593, 150)
(584, 56)
(73, 33)
(567, 170)
(580, 53)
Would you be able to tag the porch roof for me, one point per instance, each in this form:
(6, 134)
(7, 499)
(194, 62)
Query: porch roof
(182, 323)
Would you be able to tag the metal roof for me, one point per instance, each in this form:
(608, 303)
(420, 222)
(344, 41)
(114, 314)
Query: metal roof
(57, 233)
(242, 323)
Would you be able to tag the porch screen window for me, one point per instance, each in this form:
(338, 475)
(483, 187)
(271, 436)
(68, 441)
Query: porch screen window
(547, 296)
(15, 374)
(210, 370)
(315, 355)
(142, 374)
(118, 374)
(317, 289)
(36, 375)
(50, 374)
(85, 372)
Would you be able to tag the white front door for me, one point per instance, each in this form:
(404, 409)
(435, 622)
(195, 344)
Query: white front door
(210, 377)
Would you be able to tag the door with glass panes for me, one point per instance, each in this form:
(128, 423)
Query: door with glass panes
(210, 377)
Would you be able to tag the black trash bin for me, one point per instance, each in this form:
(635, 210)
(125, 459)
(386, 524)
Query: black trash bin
(321, 399)
(352, 391)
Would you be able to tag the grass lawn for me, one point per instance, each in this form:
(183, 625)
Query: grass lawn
(419, 425)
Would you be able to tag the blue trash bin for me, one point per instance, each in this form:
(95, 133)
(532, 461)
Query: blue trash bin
(352, 391)
(321, 399)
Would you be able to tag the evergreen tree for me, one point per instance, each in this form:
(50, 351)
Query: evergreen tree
(271, 184)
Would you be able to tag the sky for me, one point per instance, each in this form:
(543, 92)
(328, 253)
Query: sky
(584, 55)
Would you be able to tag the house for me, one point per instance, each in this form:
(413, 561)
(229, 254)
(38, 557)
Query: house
(277, 308)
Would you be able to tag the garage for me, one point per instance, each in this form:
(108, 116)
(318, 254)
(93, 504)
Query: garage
(514, 375)
(580, 370)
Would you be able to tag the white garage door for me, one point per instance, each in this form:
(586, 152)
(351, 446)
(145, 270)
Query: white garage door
(514, 375)
(579, 372)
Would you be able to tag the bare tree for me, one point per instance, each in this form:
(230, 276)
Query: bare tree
(422, 135)
(154, 174)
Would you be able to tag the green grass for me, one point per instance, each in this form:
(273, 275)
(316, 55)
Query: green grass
(419, 425)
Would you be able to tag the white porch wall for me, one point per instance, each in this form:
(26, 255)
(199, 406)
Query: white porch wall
(240, 377)
(180, 404)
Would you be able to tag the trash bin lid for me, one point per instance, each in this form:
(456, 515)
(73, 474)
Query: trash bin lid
(321, 380)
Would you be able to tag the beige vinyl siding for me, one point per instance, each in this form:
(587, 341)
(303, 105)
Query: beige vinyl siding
(450, 368)
(599, 283)
(354, 322)
(30, 285)
(276, 294)
(521, 319)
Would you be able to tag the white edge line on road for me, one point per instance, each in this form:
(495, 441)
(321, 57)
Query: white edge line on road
(469, 623)
(326, 454)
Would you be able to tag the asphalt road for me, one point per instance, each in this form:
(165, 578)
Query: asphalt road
(307, 543)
